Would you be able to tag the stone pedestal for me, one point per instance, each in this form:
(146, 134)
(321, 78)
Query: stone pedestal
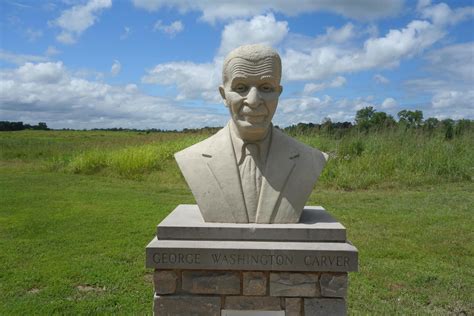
(228, 269)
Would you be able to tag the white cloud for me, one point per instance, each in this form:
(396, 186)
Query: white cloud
(49, 92)
(389, 103)
(77, 19)
(335, 35)
(194, 81)
(442, 14)
(304, 109)
(44, 73)
(450, 82)
(52, 51)
(446, 99)
(126, 33)
(20, 59)
(116, 67)
(230, 9)
(381, 52)
(33, 35)
(380, 79)
(333, 53)
(455, 61)
(311, 88)
(172, 29)
(308, 109)
(262, 29)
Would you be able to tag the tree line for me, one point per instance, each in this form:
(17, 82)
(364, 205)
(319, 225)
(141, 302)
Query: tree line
(370, 120)
(19, 126)
(366, 120)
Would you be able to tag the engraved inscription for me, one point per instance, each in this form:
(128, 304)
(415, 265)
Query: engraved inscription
(173, 258)
(326, 261)
(243, 259)
(254, 260)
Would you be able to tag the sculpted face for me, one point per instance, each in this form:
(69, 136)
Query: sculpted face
(251, 90)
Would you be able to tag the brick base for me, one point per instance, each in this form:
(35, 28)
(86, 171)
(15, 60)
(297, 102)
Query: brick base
(207, 292)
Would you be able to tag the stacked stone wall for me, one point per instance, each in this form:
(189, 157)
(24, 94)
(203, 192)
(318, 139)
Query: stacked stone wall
(208, 292)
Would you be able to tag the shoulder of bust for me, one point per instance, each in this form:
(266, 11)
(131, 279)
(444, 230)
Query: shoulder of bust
(198, 149)
(318, 157)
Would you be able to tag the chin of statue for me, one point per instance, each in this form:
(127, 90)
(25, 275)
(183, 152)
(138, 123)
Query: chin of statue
(251, 130)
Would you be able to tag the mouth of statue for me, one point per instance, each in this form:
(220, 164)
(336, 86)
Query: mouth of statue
(254, 118)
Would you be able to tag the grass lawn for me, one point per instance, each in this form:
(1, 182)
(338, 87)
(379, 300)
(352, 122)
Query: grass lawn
(75, 243)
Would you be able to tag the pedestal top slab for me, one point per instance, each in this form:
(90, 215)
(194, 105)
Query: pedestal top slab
(251, 255)
(186, 223)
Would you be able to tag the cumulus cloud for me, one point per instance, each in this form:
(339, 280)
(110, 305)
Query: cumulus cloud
(389, 103)
(230, 9)
(49, 92)
(116, 67)
(126, 33)
(33, 35)
(311, 88)
(52, 51)
(77, 19)
(450, 82)
(442, 14)
(445, 99)
(172, 29)
(337, 35)
(194, 81)
(380, 79)
(309, 109)
(262, 29)
(455, 61)
(380, 52)
(20, 59)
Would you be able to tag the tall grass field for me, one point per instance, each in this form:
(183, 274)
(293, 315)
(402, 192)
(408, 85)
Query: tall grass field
(77, 209)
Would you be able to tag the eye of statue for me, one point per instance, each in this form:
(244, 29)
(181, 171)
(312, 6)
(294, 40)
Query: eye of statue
(240, 87)
(266, 87)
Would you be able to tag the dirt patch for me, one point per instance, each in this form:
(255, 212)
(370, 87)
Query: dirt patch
(34, 290)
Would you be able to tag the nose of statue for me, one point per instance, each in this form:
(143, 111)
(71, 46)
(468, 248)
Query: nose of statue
(253, 99)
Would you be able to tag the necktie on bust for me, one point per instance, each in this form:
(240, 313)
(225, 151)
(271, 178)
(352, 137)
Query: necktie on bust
(251, 177)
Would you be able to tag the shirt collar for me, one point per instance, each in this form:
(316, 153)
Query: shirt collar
(238, 143)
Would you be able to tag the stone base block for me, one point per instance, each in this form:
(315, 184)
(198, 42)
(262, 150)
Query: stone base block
(294, 284)
(203, 292)
(187, 305)
(325, 306)
(250, 269)
(186, 223)
(211, 282)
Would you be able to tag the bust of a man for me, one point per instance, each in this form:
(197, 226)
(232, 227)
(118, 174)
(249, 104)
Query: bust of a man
(249, 171)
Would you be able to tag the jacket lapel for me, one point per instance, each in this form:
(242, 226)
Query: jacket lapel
(280, 163)
(223, 166)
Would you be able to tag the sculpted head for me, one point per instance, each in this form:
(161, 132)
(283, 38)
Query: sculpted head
(251, 87)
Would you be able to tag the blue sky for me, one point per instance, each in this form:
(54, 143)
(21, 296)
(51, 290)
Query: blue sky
(157, 63)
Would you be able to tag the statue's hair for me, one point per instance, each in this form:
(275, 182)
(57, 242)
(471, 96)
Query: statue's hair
(252, 53)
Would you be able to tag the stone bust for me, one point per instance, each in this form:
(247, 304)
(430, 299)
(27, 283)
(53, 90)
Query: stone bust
(249, 171)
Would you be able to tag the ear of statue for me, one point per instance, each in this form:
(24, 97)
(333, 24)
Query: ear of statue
(281, 90)
(222, 92)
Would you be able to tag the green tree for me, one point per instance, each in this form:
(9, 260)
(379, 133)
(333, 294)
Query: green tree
(382, 120)
(42, 126)
(448, 125)
(431, 123)
(363, 118)
(462, 126)
(411, 118)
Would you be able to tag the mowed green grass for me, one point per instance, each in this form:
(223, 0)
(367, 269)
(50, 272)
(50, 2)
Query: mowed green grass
(72, 240)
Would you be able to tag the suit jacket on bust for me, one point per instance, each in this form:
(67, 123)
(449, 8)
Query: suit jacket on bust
(291, 170)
